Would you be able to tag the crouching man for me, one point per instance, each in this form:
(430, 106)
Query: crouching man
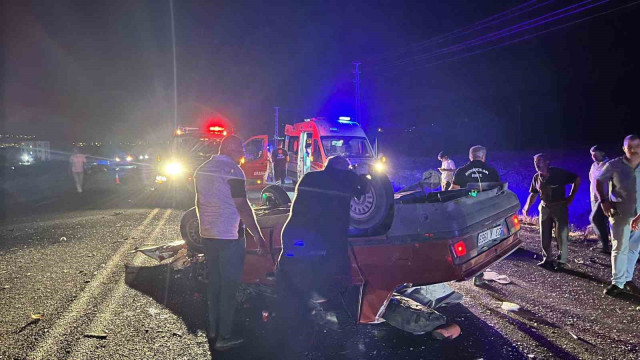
(314, 263)
(223, 208)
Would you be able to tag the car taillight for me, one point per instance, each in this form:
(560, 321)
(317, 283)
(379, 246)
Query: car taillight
(514, 223)
(459, 248)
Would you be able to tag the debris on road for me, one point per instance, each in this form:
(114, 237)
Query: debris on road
(448, 331)
(509, 306)
(100, 336)
(494, 276)
(116, 213)
(432, 296)
(35, 318)
(63, 239)
(411, 316)
(163, 252)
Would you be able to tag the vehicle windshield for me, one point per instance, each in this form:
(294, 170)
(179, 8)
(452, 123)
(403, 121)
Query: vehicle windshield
(347, 146)
(195, 147)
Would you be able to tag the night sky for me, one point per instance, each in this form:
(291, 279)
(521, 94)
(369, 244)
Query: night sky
(103, 70)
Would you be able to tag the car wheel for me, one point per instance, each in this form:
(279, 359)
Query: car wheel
(275, 196)
(372, 213)
(190, 231)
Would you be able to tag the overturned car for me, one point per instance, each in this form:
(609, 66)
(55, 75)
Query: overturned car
(409, 238)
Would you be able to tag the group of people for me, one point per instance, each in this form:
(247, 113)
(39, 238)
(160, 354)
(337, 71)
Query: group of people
(615, 204)
(314, 261)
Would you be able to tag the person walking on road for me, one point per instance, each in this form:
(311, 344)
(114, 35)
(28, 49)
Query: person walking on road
(549, 184)
(77, 162)
(622, 206)
(314, 262)
(598, 219)
(447, 169)
(476, 170)
(223, 208)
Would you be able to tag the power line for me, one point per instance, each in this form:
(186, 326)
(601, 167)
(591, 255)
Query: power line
(464, 30)
(515, 40)
(501, 33)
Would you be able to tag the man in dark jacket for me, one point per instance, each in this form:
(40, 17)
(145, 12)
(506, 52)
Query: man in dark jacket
(476, 171)
(314, 262)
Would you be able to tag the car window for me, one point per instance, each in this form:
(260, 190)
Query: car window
(253, 149)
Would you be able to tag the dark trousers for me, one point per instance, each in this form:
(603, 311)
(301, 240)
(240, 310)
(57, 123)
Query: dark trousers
(600, 223)
(225, 262)
(296, 283)
(556, 214)
(280, 174)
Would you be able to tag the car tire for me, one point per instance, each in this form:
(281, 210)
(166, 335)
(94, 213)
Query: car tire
(190, 231)
(372, 213)
(277, 194)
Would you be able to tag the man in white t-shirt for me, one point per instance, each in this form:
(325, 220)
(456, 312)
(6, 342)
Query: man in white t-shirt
(223, 212)
(77, 162)
(447, 169)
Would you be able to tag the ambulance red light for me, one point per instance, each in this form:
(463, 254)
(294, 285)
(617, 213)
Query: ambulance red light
(216, 128)
(460, 249)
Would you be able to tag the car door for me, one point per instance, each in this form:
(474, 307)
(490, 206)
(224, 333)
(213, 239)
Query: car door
(256, 157)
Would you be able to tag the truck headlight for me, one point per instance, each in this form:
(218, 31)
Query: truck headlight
(173, 168)
(379, 166)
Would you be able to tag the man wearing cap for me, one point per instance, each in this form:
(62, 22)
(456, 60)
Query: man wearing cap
(598, 219)
(223, 208)
(622, 206)
(447, 169)
(549, 183)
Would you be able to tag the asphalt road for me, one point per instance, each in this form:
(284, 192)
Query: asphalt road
(69, 258)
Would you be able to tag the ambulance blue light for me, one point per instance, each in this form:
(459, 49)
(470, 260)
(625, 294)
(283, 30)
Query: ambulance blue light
(344, 118)
(298, 243)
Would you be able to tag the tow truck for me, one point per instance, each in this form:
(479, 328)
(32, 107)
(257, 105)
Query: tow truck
(411, 237)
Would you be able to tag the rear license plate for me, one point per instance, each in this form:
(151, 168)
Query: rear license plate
(489, 235)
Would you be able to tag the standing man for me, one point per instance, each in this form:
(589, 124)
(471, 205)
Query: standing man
(549, 183)
(447, 169)
(223, 208)
(315, 252)
(622, 206)
(598, 219)
(280, 157)
(77, 162)
(476, 170)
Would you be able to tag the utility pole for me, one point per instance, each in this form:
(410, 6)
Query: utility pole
(276, 135)
(175, 74)
(357, 81)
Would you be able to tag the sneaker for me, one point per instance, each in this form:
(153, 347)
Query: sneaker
(632, 288)
(560, 265)
(613, 290)
(547, 265)
(223, 344)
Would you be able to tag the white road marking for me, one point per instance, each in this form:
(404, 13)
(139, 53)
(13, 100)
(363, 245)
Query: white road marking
(47, 348)
(110, 305)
